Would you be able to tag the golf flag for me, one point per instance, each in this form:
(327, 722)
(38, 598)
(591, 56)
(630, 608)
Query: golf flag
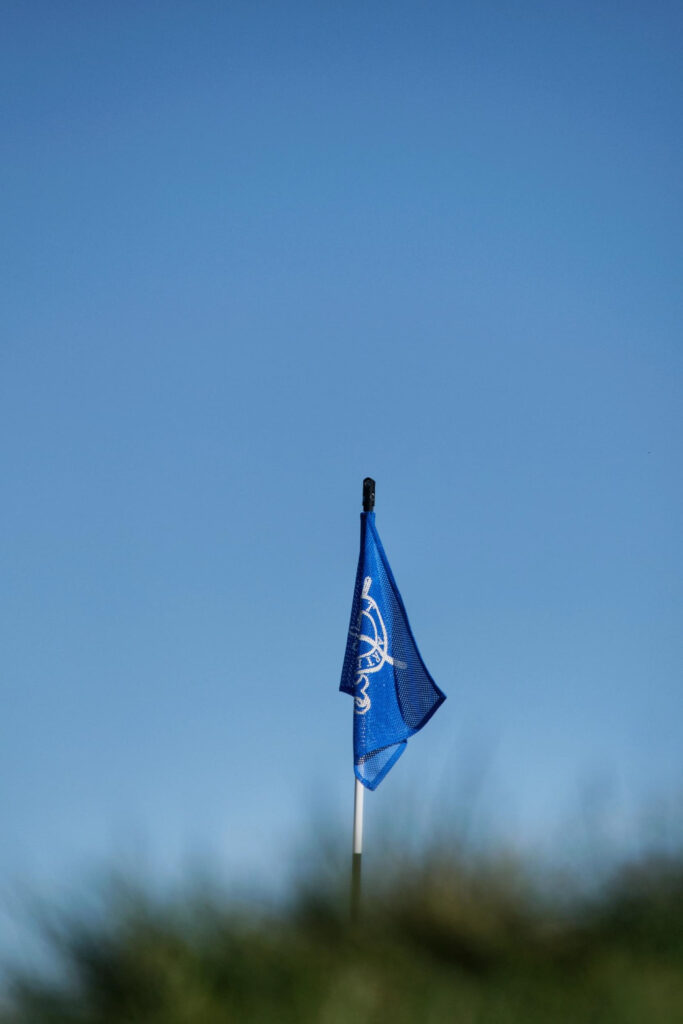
(393, 693)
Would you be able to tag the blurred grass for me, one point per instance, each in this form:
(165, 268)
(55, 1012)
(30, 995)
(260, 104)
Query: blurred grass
(444, 938)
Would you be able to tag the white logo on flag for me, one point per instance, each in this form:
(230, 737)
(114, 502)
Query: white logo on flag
(373, 647)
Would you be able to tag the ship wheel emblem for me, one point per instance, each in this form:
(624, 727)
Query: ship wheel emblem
(373, 647)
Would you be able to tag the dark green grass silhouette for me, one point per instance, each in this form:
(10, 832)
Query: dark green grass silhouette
(441, 940)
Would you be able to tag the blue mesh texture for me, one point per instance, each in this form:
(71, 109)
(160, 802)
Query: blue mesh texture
(393, 693)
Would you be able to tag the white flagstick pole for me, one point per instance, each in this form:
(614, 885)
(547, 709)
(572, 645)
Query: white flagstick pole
(357, 855)
(359, 790)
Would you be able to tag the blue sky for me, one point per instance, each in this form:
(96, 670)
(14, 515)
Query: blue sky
(253, 252)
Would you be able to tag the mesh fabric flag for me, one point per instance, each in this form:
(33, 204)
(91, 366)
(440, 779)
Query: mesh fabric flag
(393, 693)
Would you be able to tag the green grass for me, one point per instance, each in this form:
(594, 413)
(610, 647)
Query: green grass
(443, 939)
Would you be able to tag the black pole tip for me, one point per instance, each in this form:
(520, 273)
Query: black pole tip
(368, 494)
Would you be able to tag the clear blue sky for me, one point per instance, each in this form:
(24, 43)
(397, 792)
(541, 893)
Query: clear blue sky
(253, 252)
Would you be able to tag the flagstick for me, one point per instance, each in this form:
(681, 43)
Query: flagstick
(359, 789)
(358, 795)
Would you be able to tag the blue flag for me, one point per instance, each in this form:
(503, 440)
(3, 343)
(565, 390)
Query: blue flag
(393, 693)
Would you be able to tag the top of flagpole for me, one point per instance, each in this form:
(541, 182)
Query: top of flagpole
(368, 494)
